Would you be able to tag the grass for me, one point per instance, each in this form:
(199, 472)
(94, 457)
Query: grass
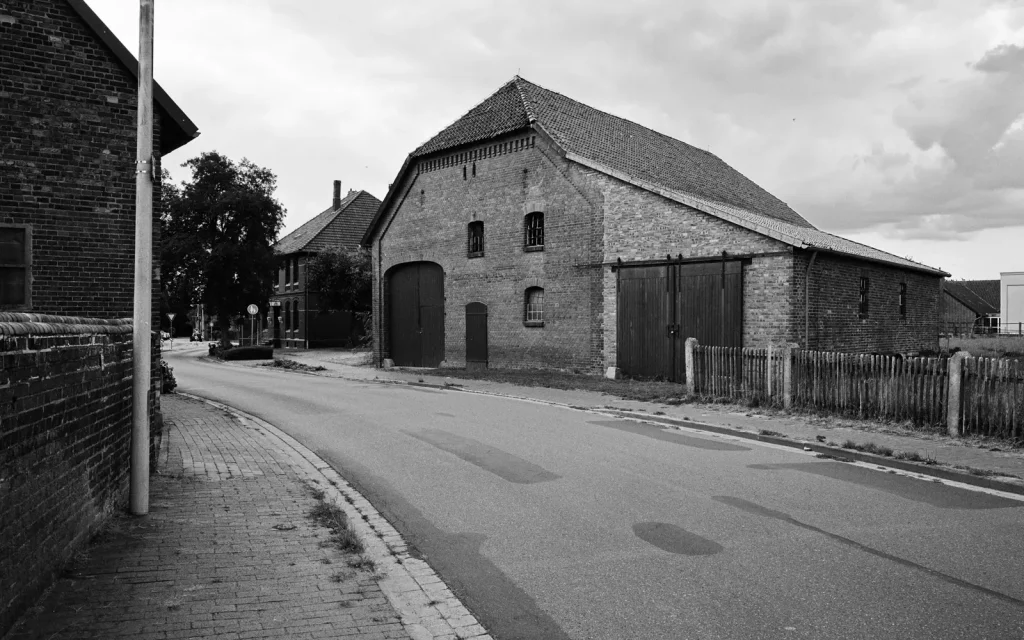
(292, 365)
(332, 518)
(643, 390)
(989, 346)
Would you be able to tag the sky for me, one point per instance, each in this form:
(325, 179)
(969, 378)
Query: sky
(896, 123)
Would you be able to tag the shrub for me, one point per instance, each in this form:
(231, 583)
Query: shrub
(248, 353)
(168, 383)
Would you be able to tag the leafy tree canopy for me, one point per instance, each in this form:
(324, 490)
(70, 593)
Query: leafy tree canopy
(218, 229)
(341, 278)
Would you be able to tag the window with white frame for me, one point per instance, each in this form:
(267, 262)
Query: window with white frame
(534, 308)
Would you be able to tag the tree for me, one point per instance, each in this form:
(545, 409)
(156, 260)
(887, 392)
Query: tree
(218, 232)
(342, 279)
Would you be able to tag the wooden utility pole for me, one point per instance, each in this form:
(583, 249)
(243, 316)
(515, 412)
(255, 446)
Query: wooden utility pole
(143, 305)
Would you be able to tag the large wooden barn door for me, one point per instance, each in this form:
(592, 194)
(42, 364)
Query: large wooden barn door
(643, 322)
(416, 314)
(476, 335)
(659, 307)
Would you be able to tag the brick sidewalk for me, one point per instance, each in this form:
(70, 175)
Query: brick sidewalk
(227, 552)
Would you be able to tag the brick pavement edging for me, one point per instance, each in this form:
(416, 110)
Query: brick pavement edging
(427, 607)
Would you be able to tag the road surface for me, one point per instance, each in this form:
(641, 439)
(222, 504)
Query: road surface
(552, 523)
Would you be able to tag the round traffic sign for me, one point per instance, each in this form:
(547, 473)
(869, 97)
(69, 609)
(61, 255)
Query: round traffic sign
(252, 309)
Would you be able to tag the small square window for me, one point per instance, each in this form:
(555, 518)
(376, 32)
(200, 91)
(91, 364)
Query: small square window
(15, 266)
(475, 239)
(534, 227)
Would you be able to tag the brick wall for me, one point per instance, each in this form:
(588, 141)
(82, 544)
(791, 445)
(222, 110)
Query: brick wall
(65, 434)
(835, 322)
(67, 160)
(640, 225)
(499, 183)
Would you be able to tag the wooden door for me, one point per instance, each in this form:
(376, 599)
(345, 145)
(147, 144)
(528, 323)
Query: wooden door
(643, 306)
(659, 307)
(476, 335)
(416, 314)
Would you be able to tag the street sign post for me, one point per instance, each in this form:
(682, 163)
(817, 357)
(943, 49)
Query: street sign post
(253, 310)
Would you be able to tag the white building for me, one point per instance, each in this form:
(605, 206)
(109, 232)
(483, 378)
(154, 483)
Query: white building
(1011, 301)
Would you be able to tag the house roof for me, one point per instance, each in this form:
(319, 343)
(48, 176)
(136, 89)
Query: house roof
(177, 129)
(980, 296)
(643, 157)
(611, 141)
(333, 227)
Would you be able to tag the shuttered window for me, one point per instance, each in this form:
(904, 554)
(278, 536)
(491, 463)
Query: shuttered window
(862, 307)
(15, 266)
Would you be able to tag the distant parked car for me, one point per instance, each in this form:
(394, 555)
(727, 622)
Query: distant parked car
(165, 336)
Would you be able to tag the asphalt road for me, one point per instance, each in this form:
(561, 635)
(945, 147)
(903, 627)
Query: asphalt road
(555, 523)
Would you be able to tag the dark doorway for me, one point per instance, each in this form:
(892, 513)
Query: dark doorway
(416, 314)
(476, 335)
(277, 325)
(660, 306)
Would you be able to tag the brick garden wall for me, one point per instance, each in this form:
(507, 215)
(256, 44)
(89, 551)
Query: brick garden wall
(65, 435)
(835, 324)
(504, 180)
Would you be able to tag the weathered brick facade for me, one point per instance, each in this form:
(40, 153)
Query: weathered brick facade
(835, 320)
(508, 179)
(67, 181)
(613, 191)
(65, 434)
(341, 225)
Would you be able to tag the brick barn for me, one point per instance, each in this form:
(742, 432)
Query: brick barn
(295, 317)
(536, 231)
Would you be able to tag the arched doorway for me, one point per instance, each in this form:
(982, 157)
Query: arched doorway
(416, 314)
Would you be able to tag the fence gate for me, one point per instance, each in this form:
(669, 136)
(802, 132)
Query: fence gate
(659, 306)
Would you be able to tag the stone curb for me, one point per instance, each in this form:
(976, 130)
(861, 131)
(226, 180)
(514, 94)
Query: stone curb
(427, 607)
(943, 473)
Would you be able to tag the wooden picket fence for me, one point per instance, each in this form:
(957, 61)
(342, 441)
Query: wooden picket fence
(754, 376)
(993, 398)
(913, 389)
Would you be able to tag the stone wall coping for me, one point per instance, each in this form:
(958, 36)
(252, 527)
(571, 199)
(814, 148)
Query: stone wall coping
(38, 324)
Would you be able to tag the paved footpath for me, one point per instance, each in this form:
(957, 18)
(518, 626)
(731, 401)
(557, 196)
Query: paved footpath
(228, 551)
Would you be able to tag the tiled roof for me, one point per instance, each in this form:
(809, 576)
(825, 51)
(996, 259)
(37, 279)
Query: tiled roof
(980, 296)
(341, 227)
(610, 141)
(647, 159)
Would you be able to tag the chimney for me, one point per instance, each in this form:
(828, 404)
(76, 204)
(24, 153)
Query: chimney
(337, 194)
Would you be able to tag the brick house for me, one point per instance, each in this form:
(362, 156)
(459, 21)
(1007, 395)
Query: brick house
(67, 239)
(970, 306)
(67, 161)
(538, 231)
(295, 317)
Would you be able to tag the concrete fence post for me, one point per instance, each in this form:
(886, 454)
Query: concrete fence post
(787, 374)
(691, 372)
(956, 388)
